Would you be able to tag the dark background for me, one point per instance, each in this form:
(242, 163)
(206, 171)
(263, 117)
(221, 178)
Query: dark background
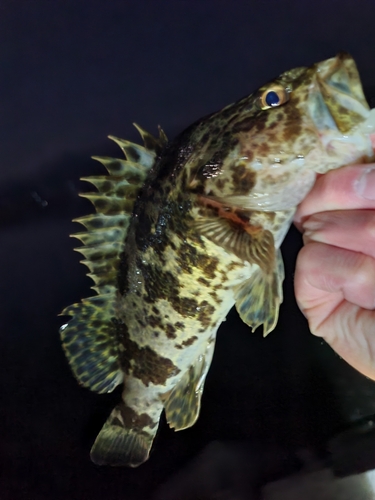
(73, 72)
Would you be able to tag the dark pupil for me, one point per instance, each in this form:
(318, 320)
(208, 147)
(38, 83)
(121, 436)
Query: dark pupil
(272, 98)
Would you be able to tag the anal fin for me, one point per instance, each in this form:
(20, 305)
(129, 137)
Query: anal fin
(183, 404)
(258, 299)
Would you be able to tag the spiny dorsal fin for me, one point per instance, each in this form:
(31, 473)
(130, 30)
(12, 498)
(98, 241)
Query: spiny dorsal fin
(89, 338)
(114, 201)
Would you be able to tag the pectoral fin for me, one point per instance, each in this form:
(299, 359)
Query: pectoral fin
(258, 299)
(254, 244)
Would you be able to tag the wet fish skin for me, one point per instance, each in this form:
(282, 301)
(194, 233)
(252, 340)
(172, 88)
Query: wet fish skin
(184, 230)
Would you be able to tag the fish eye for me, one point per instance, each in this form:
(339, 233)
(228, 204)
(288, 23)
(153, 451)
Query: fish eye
(273, 97)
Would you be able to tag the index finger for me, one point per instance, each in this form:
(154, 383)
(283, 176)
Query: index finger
(350, 187)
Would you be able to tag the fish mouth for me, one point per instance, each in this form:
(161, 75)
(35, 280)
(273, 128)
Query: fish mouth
(343, 120)
(337, 96)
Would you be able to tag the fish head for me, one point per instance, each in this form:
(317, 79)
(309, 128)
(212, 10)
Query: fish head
(264, 151)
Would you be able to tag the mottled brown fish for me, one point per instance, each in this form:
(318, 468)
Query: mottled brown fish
(185, 229)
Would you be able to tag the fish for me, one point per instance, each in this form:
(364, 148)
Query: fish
(183, 230)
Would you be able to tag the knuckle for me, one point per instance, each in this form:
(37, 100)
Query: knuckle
(370, 224)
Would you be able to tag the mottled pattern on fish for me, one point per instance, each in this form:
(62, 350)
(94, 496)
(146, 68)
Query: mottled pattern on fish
(184, 230)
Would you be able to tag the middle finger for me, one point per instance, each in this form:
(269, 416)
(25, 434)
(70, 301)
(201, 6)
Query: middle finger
(350, 229)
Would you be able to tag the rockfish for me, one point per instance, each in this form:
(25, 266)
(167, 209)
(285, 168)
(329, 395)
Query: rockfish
(185, 229)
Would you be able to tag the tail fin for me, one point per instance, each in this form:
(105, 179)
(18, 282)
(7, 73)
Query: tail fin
(125, 439)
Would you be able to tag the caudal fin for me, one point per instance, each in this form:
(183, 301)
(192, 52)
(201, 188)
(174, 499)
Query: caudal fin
(125, 439)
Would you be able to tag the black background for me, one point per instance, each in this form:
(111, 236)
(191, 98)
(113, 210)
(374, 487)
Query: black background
(73, 72)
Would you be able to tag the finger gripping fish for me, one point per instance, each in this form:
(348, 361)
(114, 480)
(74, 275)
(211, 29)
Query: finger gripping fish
(183, 230)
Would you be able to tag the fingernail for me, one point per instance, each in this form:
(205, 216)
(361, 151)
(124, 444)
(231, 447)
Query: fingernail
(365, 185)
(307, 237)
(311, 225)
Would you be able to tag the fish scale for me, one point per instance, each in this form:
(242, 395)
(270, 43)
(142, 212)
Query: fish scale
(186, 229)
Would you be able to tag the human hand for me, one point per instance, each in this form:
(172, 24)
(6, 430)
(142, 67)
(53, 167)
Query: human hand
(335, 271)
